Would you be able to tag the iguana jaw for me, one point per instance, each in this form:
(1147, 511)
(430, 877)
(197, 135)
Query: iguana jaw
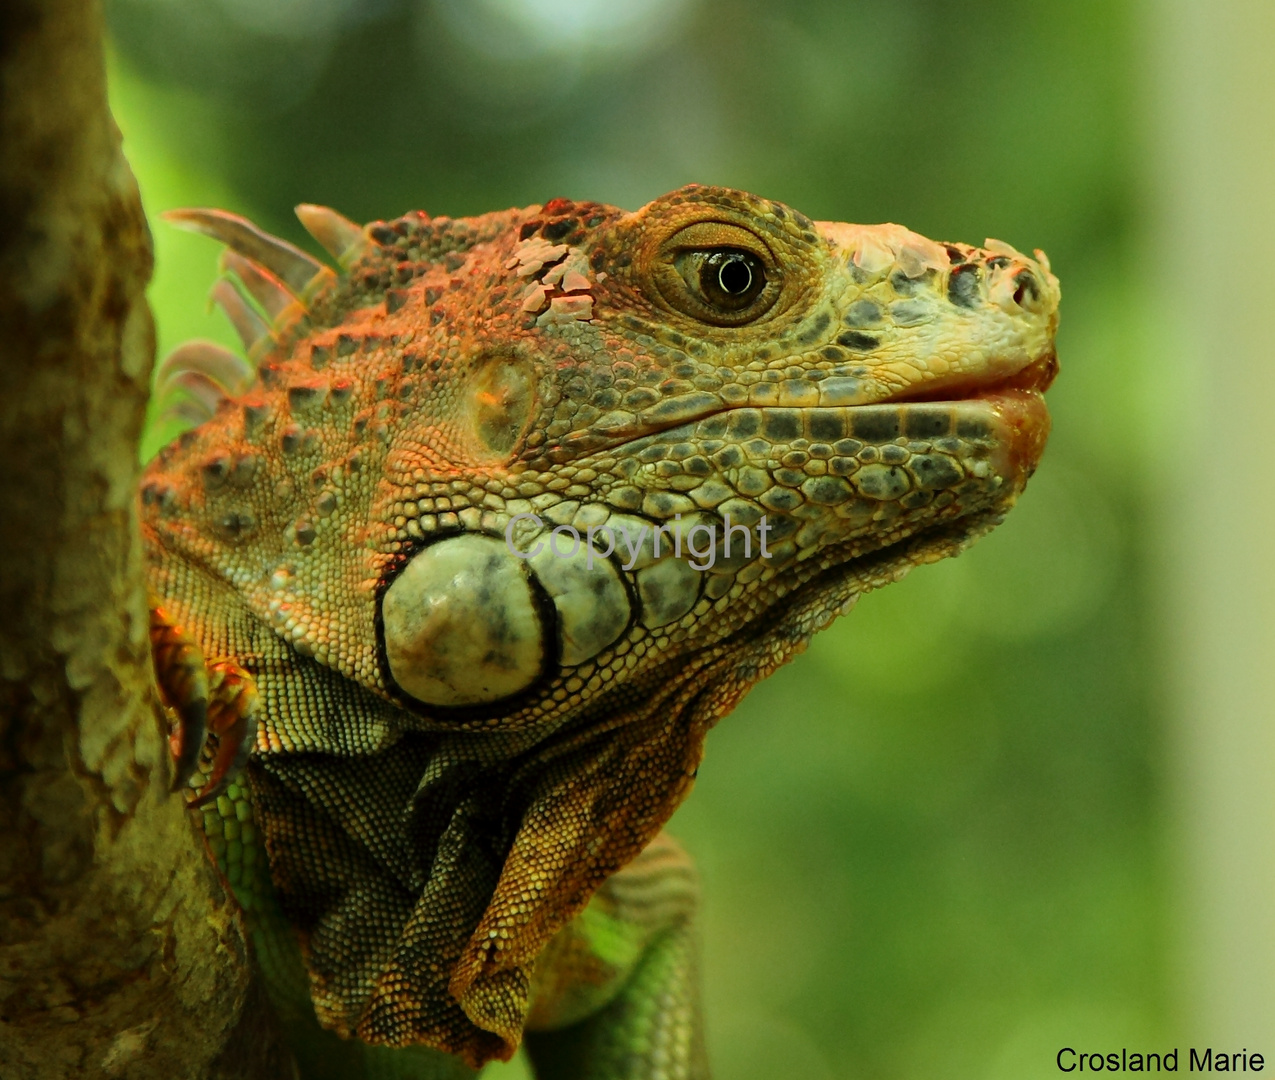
(1015, 413)
(1017, 405)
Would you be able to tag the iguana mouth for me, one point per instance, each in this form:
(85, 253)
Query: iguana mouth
(1018, 405)
(1035, 377)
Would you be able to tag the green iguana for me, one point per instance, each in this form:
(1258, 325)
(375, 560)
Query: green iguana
(463, 561)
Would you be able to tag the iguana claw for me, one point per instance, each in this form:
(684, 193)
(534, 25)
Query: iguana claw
(213, 708)
(232, 721)
(183, 686)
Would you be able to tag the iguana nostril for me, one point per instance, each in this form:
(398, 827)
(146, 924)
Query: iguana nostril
(1027, 290)
(1013, 287)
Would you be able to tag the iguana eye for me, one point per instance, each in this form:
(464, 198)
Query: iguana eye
(729, 279)
(718, 273)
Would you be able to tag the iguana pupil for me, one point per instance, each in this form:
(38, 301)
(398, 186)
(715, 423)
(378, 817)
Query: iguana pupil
(731, 279)
(734, 276)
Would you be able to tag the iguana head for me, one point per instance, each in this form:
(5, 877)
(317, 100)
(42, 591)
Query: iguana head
(448, 482)
(713, 362)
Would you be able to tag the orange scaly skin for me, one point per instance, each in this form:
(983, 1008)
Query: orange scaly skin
(456, 744)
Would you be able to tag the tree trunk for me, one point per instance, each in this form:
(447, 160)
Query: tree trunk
(121, 953)
(1210, 168)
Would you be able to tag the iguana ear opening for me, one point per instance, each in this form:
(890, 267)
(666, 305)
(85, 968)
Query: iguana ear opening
(498, 406)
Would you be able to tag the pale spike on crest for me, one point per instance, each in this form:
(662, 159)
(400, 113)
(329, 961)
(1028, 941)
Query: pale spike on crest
(183, 410)
(249, 325)
(344, 240)
(192, 396)
(301, 273)
(273, 296)
(225, 369)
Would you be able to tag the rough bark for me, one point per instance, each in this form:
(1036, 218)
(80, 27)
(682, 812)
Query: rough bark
(120, 952)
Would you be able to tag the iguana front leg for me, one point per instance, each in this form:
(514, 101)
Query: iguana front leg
(210, 703)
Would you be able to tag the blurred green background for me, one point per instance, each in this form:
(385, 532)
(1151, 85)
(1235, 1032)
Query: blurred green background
(934, 846)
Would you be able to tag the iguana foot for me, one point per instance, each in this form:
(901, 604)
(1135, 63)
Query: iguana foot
(212, 706)
(232, 726)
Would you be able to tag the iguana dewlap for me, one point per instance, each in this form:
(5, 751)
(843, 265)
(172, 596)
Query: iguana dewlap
(464, 724)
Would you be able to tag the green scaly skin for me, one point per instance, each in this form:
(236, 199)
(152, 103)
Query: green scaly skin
(464, 743)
